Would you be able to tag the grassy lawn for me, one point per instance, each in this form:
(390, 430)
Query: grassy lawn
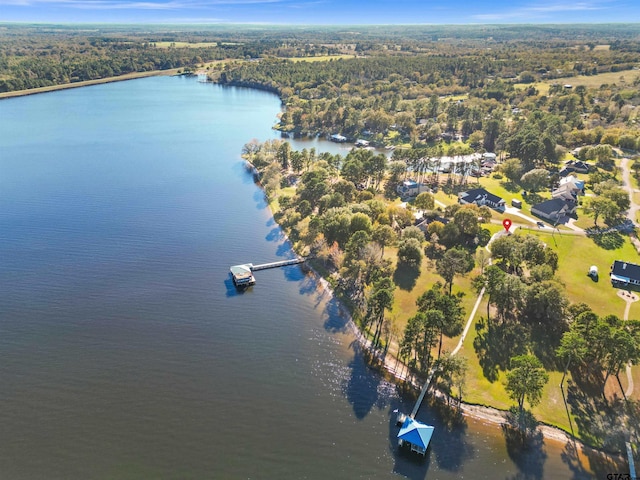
(576, 255)
(551, 409)
(479, 389)
(586, 221)
(447, 199)
(411, 287)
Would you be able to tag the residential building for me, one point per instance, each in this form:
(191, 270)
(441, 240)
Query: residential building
(624, 274)
(555, 210)
(481, 197)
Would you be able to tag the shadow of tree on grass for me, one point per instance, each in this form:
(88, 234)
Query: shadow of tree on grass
(544, 342)
(405, 277)
(608, 241)
(599, 422)
(496, 344)
(509, 186)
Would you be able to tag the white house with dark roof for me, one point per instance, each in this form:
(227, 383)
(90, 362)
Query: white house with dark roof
(481, 197)
(578, 166)
(554, 210)
(624, 274)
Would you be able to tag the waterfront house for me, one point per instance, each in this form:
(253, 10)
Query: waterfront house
(411, 188)
(408, 188)
(555, 210)
(336, 137)
(624, 274)
(481, 197)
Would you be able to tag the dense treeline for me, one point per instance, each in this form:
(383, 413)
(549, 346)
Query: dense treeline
(466, 56)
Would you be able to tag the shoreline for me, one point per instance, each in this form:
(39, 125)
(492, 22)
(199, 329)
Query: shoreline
(483, 413)
(88, 83)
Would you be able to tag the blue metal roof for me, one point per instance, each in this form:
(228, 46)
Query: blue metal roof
(416, 433)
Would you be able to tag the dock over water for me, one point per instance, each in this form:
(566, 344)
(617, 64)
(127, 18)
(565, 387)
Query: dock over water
(281, 263)
(414, 434)
(243, 274)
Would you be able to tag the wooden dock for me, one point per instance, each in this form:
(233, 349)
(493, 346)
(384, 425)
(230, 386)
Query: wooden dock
(425, 387)
(281, 263)
(243, 274)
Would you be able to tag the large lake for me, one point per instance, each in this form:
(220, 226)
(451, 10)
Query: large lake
(125, 352)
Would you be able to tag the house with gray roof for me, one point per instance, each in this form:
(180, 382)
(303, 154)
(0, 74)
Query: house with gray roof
(481, 197)
(624, 274)
(555, 210)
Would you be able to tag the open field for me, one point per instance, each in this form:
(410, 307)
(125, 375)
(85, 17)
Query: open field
(185, 44)
(577, 254)
(410, 287)
(64, 86)
(590, 81)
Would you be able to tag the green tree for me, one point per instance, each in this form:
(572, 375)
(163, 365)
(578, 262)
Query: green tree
(383, 235)
(336, 226)
(381, 299)
(507, 252)
(509, 297)
(573, 346)
(410, 253)
(601, 207)
(424, 201)
(467, 220)
(526, 144)
(284, 155)
(535, 180)
(512, 169)
(526, 380)
(455, 261)
(451, 372)
(360, 222)
(491, 280)
(449, 305)
(546, 302)
(412, 232)
(420, 336)
(621, 348)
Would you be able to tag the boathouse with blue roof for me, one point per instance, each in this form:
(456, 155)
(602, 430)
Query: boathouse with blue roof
(415, 435)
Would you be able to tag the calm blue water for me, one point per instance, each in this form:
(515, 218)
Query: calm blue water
(125, 352)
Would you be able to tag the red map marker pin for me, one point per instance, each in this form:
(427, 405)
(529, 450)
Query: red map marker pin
(506, 223)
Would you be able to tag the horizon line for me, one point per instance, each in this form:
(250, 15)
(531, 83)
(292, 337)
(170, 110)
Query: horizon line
(254, 24)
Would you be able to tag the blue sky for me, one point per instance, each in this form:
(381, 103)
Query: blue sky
(321, 11)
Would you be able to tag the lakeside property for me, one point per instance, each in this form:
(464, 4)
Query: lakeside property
(148, 273)
(482, 386)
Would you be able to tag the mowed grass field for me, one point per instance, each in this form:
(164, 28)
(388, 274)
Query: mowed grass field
(576, 255)
(185, 44)
(590, 81)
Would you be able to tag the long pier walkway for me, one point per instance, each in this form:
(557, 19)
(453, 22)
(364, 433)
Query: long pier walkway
(416, 407)
(281, 263)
